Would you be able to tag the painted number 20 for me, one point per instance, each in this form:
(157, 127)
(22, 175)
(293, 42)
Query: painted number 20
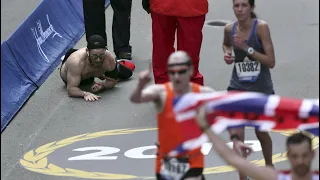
(105, 153)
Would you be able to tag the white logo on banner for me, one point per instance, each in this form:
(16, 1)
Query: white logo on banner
(43, 35)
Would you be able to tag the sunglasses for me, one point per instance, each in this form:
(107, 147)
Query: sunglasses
(188, 63)
(95, 57)
(180, 72)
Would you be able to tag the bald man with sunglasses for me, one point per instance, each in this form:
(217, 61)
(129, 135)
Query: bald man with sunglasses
(81, 66)
(180, 70)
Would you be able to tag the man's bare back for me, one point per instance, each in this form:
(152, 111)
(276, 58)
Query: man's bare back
(79, 60)
(82, 66)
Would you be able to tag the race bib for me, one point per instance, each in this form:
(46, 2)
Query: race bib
(174, 168)
(248, 71)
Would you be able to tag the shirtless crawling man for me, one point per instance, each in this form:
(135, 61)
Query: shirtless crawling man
(81, 66)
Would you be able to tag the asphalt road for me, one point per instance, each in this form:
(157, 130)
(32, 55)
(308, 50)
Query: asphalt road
(50, 115)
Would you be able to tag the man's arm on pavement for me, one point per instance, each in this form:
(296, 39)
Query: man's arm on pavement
(108, 83)
(141, 94)
(74, 78)
(243, 165)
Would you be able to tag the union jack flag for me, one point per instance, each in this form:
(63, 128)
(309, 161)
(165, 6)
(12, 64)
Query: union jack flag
(238, 109)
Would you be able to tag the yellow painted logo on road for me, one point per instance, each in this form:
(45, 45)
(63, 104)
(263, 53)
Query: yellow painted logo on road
(37, 160)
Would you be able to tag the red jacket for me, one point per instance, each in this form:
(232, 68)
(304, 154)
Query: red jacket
(182, 8)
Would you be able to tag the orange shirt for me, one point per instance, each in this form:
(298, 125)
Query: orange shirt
(180, 8)
(169, 136)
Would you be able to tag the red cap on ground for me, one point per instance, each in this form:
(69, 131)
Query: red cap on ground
(127, 63)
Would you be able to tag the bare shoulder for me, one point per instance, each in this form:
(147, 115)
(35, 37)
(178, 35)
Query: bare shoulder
(78, 56)
(228, 27)
(262, 22)
(76, 61)
(206, 89)
(155, 93)
(109, 61)
(262, 25)
(263, 30)
(157, 88)
(109, 53)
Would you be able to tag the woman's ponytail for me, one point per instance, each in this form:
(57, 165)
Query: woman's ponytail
(253, 15)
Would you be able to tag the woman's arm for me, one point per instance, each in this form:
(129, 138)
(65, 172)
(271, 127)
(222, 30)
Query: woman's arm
(226, 45)
(263, 34)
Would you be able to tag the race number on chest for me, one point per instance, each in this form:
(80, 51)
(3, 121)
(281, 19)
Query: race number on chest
(174, 169)
(248, 71)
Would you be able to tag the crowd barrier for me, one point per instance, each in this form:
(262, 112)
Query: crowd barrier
(34, 50)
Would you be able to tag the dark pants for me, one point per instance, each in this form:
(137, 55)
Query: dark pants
(95, 23)
(94, 18)
(121, 25)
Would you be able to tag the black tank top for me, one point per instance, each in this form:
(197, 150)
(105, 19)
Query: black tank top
(258, 83)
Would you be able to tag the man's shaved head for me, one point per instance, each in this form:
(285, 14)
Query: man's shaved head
(179, 57)
(180, 70)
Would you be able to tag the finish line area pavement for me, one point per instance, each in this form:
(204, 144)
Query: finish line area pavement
(58, 137)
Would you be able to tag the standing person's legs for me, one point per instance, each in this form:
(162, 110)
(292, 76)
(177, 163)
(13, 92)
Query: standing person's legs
(240, 132)
(121, 28)
(163, 35)
(264, 139)
(189, 34)
(94, 18)
(266, 145)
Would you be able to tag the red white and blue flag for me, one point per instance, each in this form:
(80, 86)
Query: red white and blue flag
(238, 109)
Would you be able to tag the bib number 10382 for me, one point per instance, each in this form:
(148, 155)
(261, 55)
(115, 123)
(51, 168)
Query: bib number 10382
(248, 67)
(248, 71)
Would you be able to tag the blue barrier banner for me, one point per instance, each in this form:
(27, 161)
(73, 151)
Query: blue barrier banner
(34, 50)
(45, 36)
(15, 86)
(78, 8)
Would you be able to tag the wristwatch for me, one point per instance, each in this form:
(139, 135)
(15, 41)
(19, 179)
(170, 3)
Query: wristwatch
(250, 51)
(234, 137)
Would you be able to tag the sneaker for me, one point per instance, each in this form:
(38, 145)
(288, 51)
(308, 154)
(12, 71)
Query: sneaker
(127, 63)
(124, 55)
